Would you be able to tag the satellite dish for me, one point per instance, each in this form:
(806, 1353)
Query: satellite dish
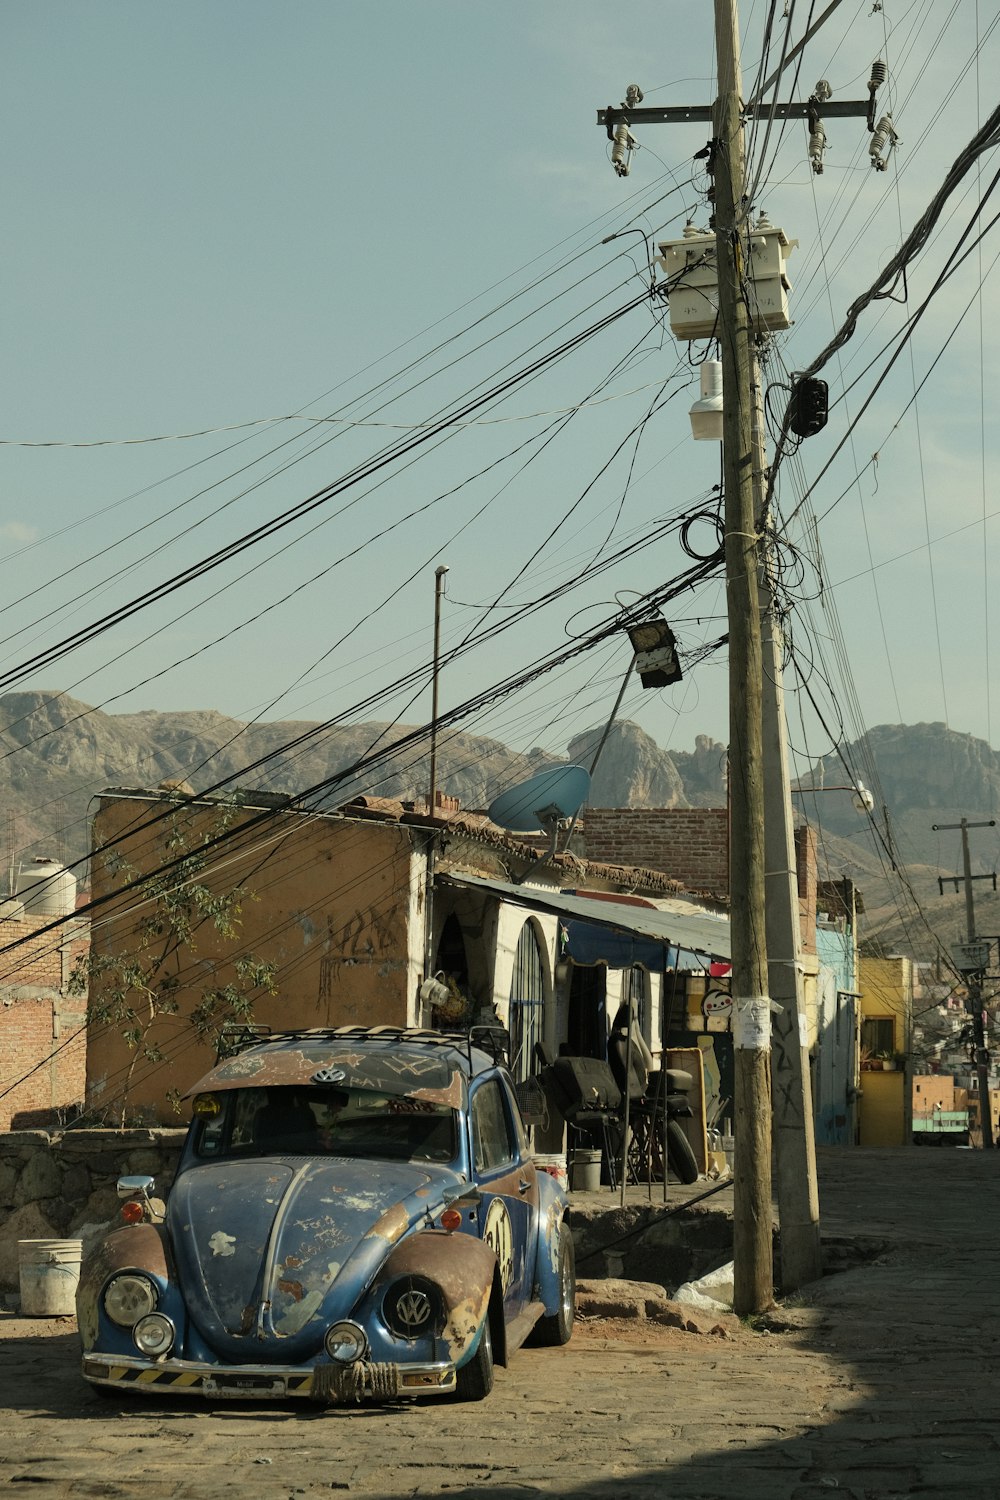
(533, 806)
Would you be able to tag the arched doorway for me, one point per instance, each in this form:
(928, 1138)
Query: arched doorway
(526, 1018)
(452, 965)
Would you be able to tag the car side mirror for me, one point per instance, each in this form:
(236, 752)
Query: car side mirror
(136, 1187)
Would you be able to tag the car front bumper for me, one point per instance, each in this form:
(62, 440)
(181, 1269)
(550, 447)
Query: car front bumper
(330, 1383)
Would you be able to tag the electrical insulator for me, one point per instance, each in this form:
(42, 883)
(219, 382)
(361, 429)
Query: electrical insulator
(621, 151)
(875, 81)
(817, 145)
(817, 135)
(884, 139)
(808, 412)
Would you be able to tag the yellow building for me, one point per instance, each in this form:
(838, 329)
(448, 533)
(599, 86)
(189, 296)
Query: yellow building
(886, 1113)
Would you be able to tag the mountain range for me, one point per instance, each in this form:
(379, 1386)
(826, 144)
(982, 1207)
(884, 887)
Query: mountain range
(56, 753)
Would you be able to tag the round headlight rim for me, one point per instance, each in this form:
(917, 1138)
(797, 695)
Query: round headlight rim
(129, 1320)
(161, 1321)
(354, 1333)
(432, 1326)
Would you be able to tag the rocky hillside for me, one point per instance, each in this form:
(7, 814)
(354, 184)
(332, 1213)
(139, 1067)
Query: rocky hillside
(56, 753)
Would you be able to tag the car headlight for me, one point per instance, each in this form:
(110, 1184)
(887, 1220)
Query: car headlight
(413, 1309)
(345, 1342)
(154, 1335)
(128, 1298)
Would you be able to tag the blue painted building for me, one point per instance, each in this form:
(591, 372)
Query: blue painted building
(835, 1092)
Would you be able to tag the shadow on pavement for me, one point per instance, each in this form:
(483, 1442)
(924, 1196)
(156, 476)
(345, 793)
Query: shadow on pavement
(886, 1384)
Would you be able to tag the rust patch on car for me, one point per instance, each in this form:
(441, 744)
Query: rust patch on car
(392, 1225)
(139, 1246)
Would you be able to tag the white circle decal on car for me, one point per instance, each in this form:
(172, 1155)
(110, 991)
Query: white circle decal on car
(499, 1235)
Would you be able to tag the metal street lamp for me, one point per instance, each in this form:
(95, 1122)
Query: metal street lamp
(862, 799)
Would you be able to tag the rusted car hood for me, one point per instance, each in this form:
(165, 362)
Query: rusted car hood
(271, 1251)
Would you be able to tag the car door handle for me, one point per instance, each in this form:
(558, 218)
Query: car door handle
(523, 1186)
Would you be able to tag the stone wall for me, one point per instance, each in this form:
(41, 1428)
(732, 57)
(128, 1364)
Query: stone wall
(61, 1185)
(649, 1242)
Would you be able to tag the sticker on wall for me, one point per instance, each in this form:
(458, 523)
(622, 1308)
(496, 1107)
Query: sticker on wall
(499, 1235)
(717, 1003)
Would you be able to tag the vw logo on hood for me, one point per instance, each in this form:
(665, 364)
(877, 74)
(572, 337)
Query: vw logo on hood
(329, 1075)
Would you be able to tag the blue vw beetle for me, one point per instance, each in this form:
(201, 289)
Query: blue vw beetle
(356, 1214)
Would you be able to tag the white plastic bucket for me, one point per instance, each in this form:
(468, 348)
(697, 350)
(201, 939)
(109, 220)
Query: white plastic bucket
(586, 1171)
(555, 1166)
(49, 1272)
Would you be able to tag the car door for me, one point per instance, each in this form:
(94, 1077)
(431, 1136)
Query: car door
(505, 1174)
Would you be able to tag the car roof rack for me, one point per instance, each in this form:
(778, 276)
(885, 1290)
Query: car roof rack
(494, 1041)
(236, 1036)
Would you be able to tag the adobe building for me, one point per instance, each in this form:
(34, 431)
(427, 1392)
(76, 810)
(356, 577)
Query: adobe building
(342, 906)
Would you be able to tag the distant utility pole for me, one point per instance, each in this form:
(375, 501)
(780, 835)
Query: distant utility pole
(439, 574)
(973, 959)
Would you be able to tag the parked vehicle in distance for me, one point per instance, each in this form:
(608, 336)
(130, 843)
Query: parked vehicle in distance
(356, 1214)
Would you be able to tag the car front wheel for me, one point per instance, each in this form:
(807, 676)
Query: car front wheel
(474, 1380)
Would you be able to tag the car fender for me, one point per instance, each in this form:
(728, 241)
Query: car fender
(551, 1227)
(465, 1269)
(139, 1247)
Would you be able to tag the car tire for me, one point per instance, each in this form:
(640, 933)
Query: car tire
(474, 1380)
(680, 1153)
(558, 1328)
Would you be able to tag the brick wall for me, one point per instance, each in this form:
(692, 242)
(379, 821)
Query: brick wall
(690, 844)
(42, 1040)
(805, 861)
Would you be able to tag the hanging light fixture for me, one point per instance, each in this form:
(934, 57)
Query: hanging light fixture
(655, 648)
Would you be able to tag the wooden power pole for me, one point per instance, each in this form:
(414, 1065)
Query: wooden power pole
(753, 1269)
(763, 913)
(972, 969)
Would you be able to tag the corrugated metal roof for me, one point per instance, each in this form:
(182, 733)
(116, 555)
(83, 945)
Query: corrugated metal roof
(699, 934)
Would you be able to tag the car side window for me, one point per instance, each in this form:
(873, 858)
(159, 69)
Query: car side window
(493, 1143)
(514, 1109)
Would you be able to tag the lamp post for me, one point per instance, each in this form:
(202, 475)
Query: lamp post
(863, 799)
(439, 575)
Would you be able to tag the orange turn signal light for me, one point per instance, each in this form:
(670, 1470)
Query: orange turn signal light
(132, 1212)
(451, 1219)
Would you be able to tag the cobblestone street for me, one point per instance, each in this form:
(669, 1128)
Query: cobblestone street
(881, 1381)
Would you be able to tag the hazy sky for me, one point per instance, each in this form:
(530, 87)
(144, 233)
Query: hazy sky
(350, 218)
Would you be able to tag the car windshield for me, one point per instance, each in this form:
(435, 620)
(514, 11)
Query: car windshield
(323, 1121)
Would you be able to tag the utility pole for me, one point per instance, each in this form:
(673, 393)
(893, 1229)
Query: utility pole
(761, 925)
(794, 1134)
(753, 1267)
(973, 964)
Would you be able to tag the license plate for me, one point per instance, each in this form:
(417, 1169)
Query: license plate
(244, 1387)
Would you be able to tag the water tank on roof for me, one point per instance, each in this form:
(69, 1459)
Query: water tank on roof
(46, 888)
